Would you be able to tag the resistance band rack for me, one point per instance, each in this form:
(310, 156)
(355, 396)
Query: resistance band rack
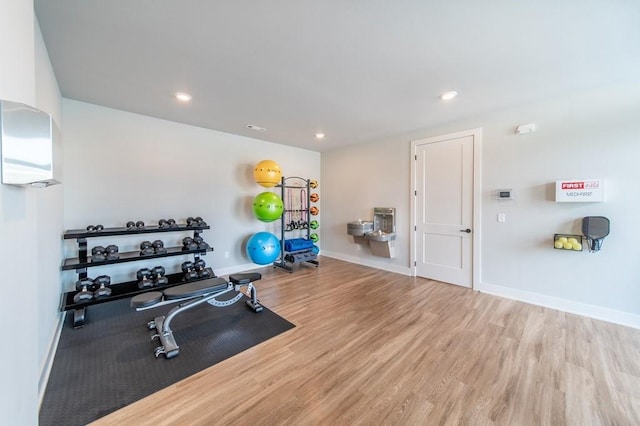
(289, 225)
(125, 289)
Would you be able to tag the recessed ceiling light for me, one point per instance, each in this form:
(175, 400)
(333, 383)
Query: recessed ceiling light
(449, 95)
(319, 135)
(253, 127)
(184, 97)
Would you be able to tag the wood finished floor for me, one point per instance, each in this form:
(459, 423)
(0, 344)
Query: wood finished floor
(372, 347)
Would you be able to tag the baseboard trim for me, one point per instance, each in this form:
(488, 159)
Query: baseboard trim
(45, 369)
(569, 306)
(364, 262)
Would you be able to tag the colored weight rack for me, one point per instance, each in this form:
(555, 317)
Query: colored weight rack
(124, 289)
(291, 256)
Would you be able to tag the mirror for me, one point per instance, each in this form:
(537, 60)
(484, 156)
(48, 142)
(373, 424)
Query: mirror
(27, 145)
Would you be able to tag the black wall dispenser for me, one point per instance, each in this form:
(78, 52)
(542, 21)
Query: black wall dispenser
(595, 228)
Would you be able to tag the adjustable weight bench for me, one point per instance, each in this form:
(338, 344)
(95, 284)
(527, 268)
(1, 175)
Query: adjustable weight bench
(191, 295)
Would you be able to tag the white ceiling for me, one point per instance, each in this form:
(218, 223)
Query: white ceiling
(357, 70)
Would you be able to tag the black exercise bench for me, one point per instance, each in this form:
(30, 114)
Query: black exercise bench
(191, 295)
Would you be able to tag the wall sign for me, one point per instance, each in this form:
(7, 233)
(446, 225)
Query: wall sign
(579, 191)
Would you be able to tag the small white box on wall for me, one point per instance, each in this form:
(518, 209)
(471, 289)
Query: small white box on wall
(579, 191)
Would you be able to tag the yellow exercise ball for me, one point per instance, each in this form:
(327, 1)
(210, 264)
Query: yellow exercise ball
(267, 173)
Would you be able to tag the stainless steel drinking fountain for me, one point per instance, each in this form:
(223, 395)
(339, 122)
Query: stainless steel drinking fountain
(358, 229)
(382, 239)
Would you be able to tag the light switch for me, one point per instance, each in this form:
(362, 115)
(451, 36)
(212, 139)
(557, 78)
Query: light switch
(502, 218)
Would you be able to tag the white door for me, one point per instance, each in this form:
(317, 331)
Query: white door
(444, 194)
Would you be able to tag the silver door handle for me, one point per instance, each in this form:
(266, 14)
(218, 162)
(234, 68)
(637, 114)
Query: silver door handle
(468, 231)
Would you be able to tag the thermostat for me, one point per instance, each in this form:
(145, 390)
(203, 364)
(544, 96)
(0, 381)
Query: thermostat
(504, 194)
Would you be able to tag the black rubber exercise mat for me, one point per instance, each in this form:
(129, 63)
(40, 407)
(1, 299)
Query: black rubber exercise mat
(109, 363)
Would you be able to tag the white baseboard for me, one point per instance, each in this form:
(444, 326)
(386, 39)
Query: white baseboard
(45, 369)
(597, 312)
(364, 262)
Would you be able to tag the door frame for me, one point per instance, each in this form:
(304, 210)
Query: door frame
(476, 202)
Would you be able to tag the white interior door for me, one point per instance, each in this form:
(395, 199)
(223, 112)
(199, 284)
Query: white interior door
(444, 181)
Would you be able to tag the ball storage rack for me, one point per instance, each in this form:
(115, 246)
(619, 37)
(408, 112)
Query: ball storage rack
(301, 212)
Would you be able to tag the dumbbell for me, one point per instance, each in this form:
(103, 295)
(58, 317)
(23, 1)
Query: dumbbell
(189, 271)
(85, 288)
(103, 281)
(157, 275)
(139, 224)
(195, 221)
(92, 228)
(189, 244)
(144, 280)
(146, 248)
(200, 268)
(98, 254)
(202, 245)
(172, 223)
(131, 225)
(158, 247)
(163, 223)
(111, 252)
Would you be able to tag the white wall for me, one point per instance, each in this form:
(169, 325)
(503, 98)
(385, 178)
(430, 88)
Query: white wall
(355, 180)
(49, 216)
(26, 215)
(120, 166)
(588, 135)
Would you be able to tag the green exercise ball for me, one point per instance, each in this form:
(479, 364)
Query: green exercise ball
(267, 206)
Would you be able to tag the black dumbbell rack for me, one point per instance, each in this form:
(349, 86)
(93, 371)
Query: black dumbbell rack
(125, 289)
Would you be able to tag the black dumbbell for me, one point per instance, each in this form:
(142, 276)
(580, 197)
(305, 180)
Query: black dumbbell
(172, 223)
(201, 268)
(191, 221)
(158, 247)
(189, 244)
(200, 221)
(131, 225)
(202, 245)
(189, 271)
(144, 280)
(85, 288)
(98, 254)
(92, 228)
(163, 223)
(199, 264)
(111, 251)
(146, 248)
(139, 224)
(102, 282)
(157, 275)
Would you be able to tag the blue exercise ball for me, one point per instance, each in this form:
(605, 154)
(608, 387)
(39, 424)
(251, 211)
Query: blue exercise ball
(263, 248)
